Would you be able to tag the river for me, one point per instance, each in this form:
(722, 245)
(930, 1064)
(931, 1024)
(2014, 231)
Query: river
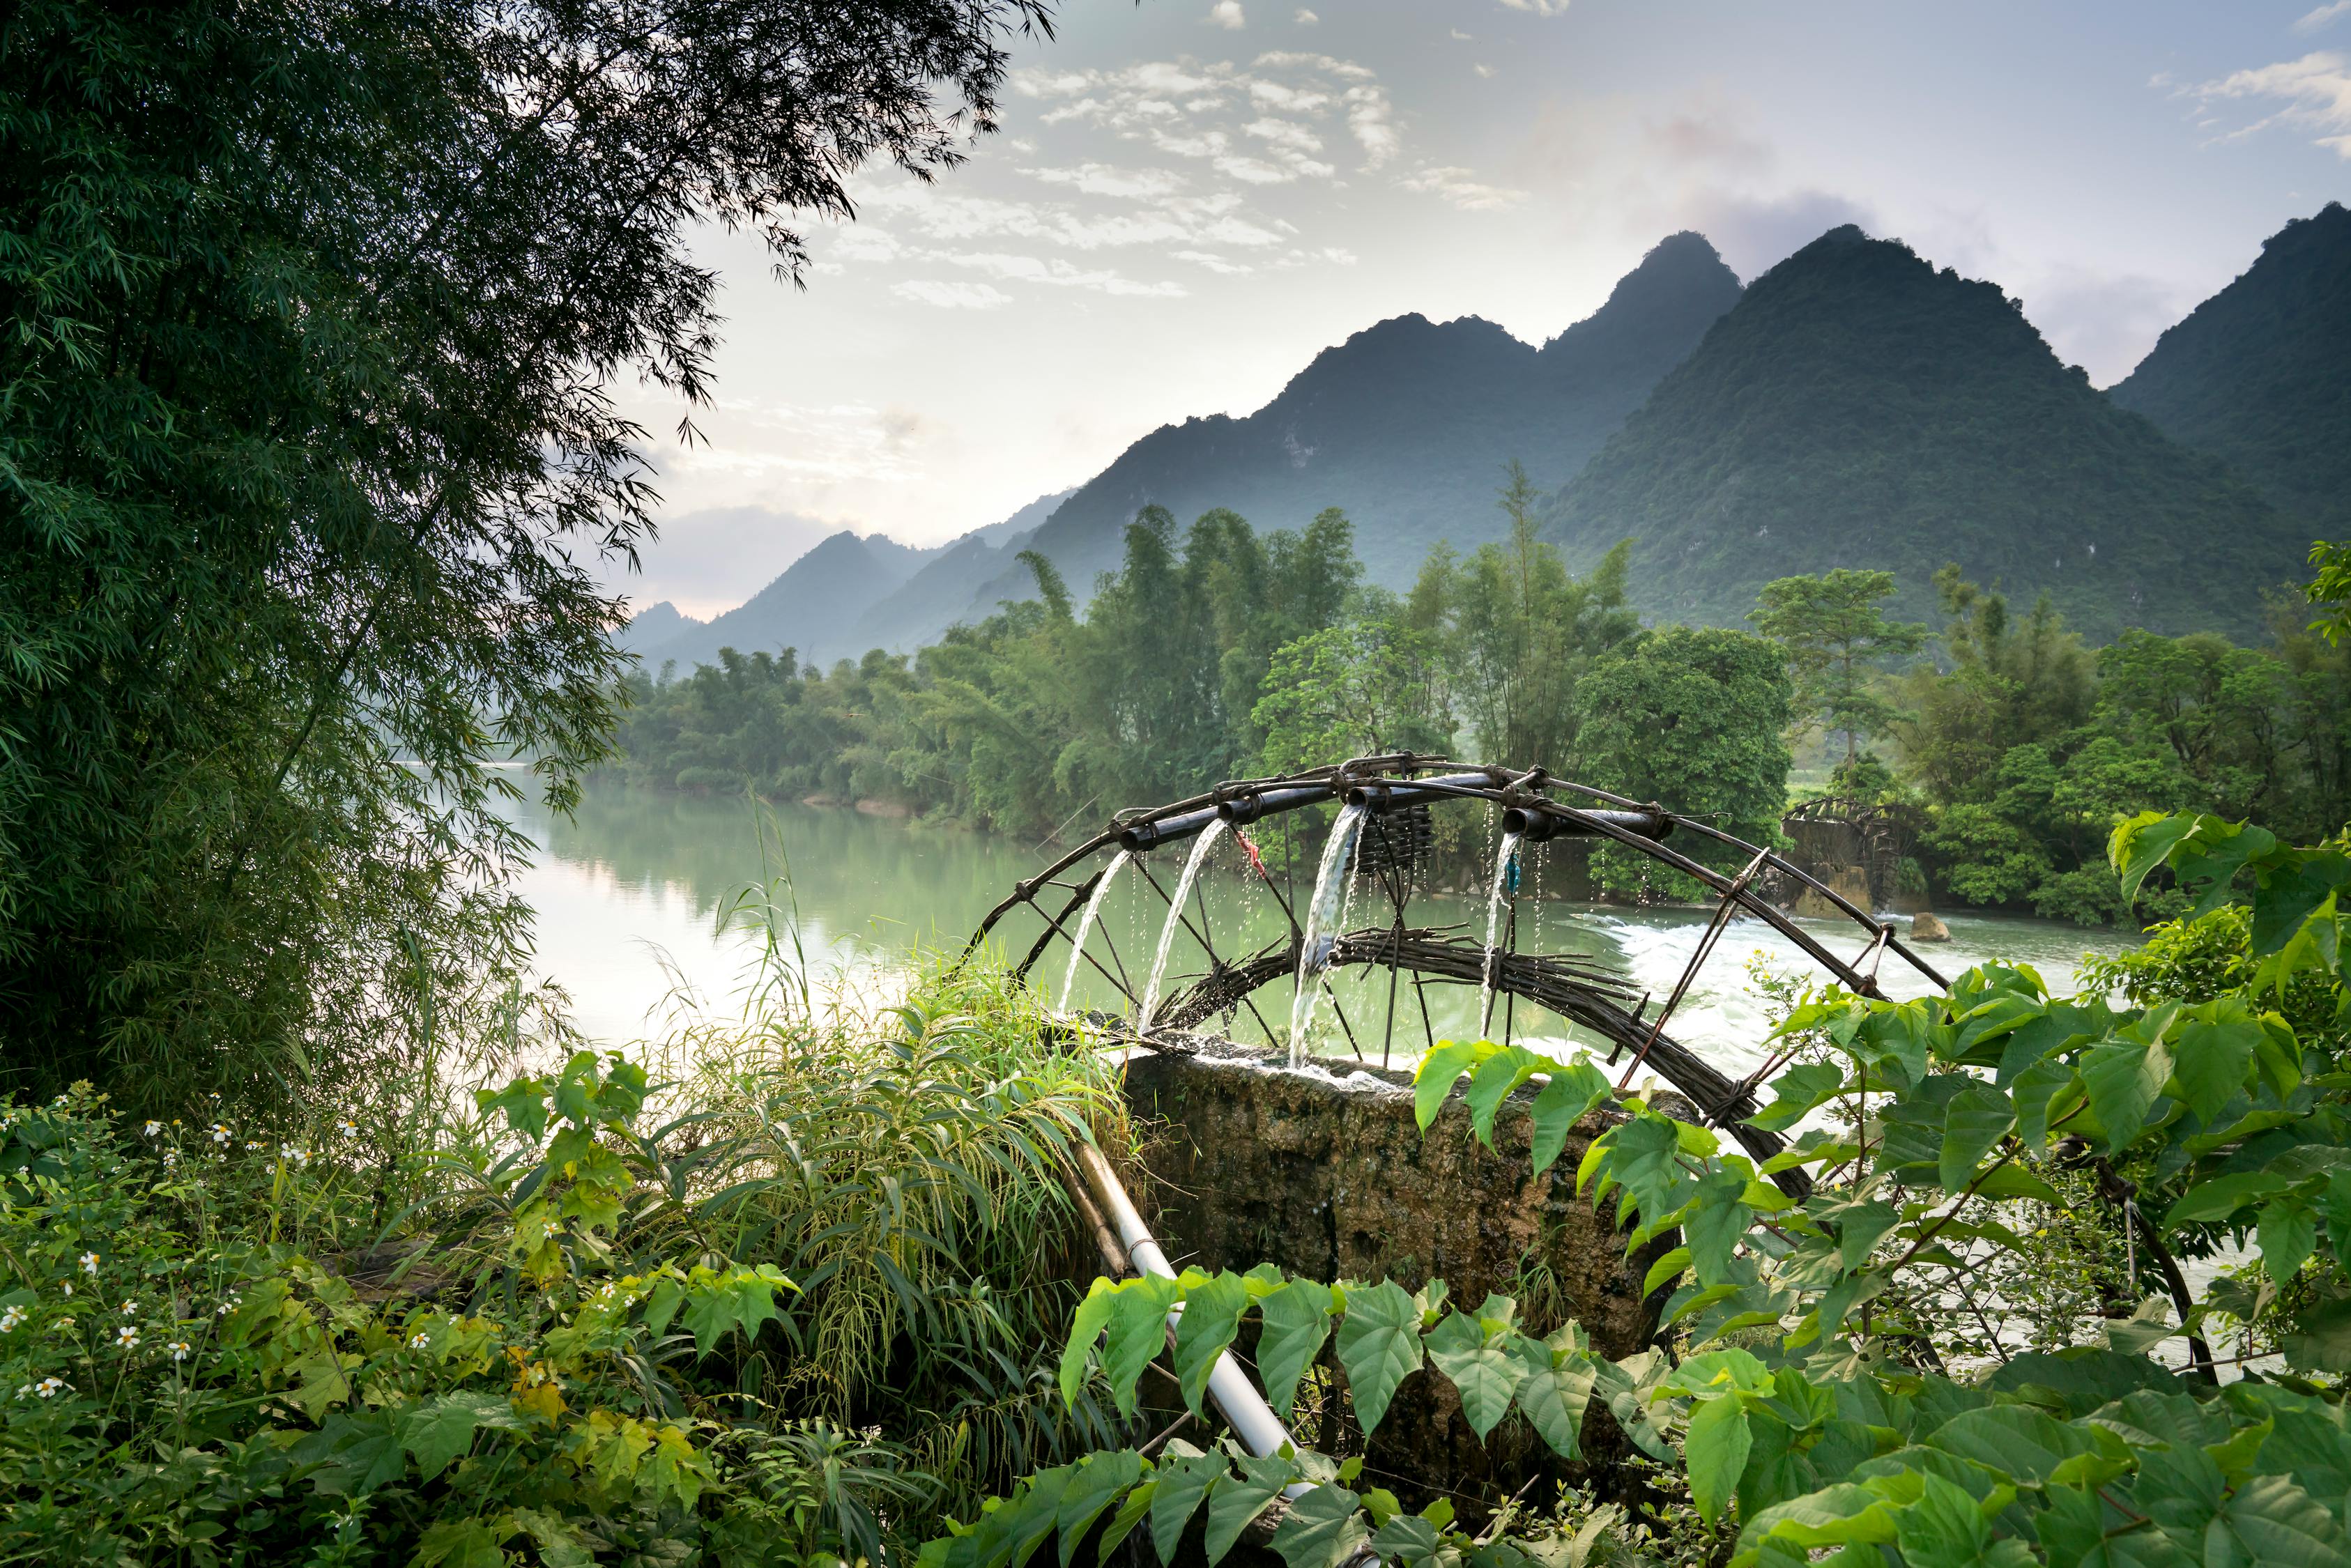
(629, 892)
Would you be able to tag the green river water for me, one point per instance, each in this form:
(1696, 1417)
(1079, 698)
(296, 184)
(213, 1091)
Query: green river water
(628, 894)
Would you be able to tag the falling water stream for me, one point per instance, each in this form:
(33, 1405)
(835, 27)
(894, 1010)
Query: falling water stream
(1324, 917)
(1199, 858)
(1505, 884)
(1086, 923)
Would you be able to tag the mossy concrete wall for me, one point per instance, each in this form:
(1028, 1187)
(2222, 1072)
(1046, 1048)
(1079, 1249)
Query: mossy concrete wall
(1329, 1176)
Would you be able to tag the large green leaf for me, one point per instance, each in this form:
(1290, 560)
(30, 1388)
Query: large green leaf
(1236, 1499)
(739, 1299)
(1085, 1327)
(2288, 1233)
(1796, 1094)
(1098, 1481)
(1555, 1390)
(1716, 1447)
(1491, 1084)
(1575, 1089)
(1480, 1366)
(2278, 1525)
(1183, 1479)
(1296, 1320)
(1379, 1346)
(1138, 1332)
(1717, 1220)
(442, 1431)
(2015, 1440)
(1974, 1121)
(1433, 1079)
(1212, 1315)
(2123, 1077)
(2221, 1197)
(1324, 1529)
(1130, 1512)
(2210, 1053)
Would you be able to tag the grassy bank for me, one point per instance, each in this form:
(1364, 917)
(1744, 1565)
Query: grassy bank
(775, 1302)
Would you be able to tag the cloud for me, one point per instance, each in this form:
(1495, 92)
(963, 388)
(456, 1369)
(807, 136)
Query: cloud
(2105, 322)
(709, 560)
(1461, 188)
(1539, 8)
(1227, 13)
(2315, 92)
(2323, 16)
(1052, 270)
(1460, 37)
(1756, 234)
(1483, 71)
(1304, 17)
(1102, 180)
(952, 296)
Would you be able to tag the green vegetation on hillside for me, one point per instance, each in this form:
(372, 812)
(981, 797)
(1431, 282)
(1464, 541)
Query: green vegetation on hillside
(1228, 653)
(1859, 409)
(2260, 374)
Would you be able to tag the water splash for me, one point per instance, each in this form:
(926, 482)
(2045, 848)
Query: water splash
(1086, 923)
(1200, 857)
(1506, 884)
(1324, 917)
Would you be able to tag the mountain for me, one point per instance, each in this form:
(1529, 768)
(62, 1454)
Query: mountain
(2260, 375)
(914, 613)
(1858, 408)
(653, 626)
(812, 607)
(1406, 425)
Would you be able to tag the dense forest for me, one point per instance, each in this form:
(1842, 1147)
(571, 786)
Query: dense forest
(1216, 651)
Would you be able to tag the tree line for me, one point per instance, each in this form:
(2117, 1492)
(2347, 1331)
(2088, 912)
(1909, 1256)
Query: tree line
(1218, 652)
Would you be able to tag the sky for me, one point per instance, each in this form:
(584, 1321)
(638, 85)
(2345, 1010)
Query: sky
(1187, 200)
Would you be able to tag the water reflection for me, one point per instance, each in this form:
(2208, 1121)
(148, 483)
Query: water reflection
(629, 893)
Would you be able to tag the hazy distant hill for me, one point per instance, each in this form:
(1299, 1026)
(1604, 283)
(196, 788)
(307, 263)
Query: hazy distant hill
(653, 626)
(1406, 425)
(1859, 408)
(913, 615)
(813, 607)
(2260, 373)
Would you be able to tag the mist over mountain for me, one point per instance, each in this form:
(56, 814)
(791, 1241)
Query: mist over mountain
(653, 626)
(811, 608)
(1859, 408)
(2260, 374)
(1406, 426)
(942, 592)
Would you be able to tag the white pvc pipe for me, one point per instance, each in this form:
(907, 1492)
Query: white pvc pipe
(1245, 1410)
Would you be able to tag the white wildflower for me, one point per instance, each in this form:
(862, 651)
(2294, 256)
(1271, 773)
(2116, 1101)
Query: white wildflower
(126, 1338)
(420, 1341)
(90, 1264)
(153, 1128)
(11, 1317)
(179, 1348)
(51, 1387)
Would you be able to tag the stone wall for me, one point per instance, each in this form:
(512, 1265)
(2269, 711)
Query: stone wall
(1330, 1177)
